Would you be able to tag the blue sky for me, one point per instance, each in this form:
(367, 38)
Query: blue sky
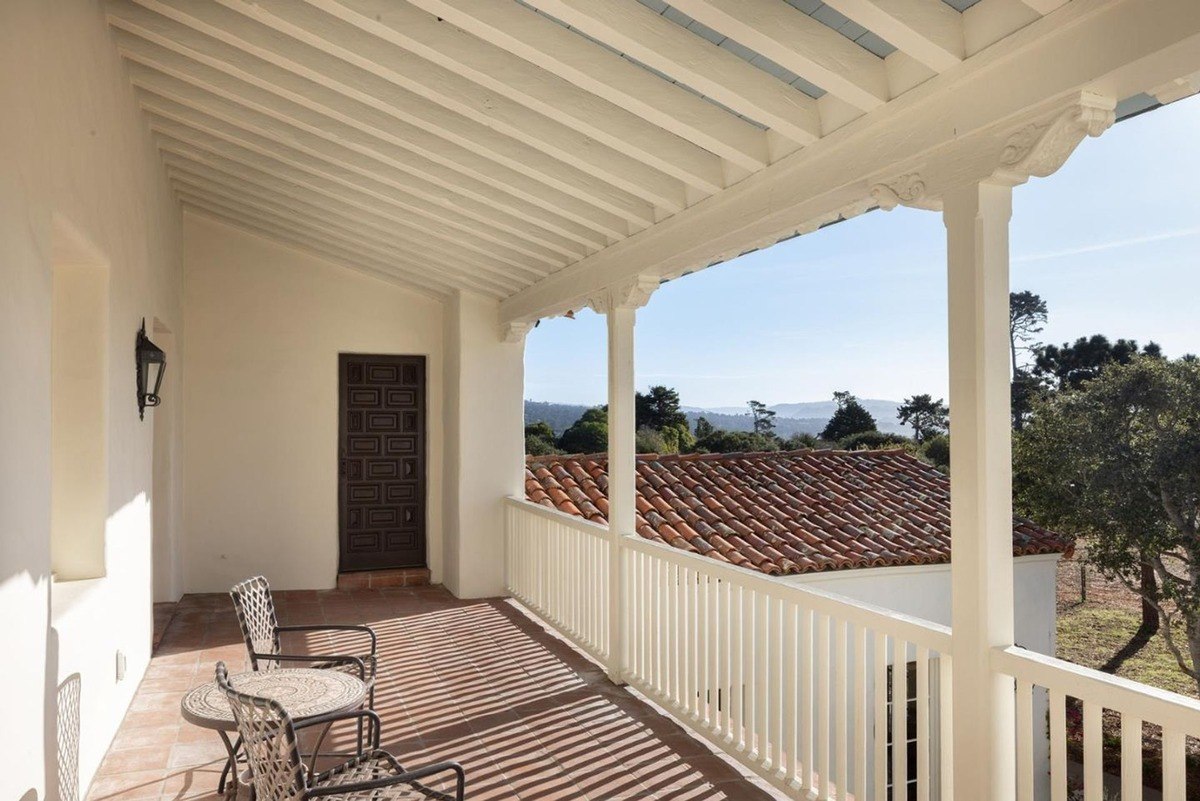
(1111, 241)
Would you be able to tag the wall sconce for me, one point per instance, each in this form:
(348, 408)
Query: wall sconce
(148, 355)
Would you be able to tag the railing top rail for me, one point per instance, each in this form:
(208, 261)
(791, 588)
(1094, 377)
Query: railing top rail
(562, 518)
(913, 629)
(1113, 692)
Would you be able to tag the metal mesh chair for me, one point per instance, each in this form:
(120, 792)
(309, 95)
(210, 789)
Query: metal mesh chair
(278, 773)
(260, 628)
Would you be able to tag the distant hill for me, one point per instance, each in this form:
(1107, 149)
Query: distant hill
(791, 418)
(560, 416)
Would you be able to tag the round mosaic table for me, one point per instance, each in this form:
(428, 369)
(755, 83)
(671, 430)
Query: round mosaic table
(303, 693)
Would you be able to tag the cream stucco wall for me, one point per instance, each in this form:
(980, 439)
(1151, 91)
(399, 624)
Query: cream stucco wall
(265, 326)
(485, 443)
(77, 170)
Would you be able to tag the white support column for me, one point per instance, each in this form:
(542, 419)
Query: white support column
(619, 305)
(977, 219)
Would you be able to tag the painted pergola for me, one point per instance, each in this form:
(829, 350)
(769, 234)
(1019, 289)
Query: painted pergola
(555, 154)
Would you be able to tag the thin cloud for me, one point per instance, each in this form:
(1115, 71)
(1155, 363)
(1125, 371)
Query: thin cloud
(1111, 245)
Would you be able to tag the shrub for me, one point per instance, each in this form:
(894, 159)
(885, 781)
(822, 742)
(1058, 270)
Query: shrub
(871, 440)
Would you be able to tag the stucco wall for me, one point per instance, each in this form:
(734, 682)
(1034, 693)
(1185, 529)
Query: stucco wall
(265, 326)
(924, 592)
(485, 443)
(77, 175)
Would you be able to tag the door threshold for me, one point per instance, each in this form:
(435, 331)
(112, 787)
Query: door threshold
(384, 579)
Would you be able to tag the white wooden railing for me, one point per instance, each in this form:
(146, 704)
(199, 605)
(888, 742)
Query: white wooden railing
(795, 683)
(557, 565)
(1136, 704)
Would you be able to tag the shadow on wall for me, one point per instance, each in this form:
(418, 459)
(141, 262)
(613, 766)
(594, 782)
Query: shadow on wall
(67, 739)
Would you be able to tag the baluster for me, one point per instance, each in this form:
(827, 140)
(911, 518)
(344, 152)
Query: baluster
(673, 627)
(1131, 757)
(946, 726)
(711, 648)
(1093, 752)
(789, 718)
(724, 647)
(921, 769)
(821, 760)
(879, 655)
(1174, 768)
(762, 679)
(806, 699)
(690, 635)
(841, 776)
(861, 638)
(1024, 740)
(1058, 746)
(737, 633)
(899, 718)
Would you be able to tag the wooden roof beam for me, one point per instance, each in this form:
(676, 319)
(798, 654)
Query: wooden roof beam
(928, 30)
(795, 40)
(540, 90)
(543, 42)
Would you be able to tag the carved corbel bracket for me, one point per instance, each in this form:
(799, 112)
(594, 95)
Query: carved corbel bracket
(633, 293)
(1040, 148)
(906, 190)
(516, 330)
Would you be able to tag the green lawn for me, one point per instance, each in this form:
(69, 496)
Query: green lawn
(1091, 634)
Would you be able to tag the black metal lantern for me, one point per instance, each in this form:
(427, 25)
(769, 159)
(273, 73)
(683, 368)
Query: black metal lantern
(148, 356)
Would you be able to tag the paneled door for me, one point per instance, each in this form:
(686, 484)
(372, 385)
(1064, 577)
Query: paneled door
(381, 462)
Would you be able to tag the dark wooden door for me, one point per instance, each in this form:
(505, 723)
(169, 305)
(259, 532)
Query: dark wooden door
(381, 469)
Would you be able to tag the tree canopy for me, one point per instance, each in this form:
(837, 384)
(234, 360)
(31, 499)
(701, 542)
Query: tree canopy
(539, 439)
(1116, 459)
(928, 417)
(764, 418)
(1070, 365)
(850, 418)
(589, 434)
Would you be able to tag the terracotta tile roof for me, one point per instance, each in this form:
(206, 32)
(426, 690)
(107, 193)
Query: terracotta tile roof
(790, 512)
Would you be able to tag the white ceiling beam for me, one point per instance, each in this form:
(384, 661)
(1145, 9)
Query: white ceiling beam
(421, 33)
(437, 251)
(598, 70)
(795, 40)
(1115, 49)
(388, 248)
(361, 252)
(657, 42)
(928, 30)
(309, 38)
(326, 161)
(196, 86)
(173, 138)
(1044, 7)
(516, 148)
(444, 239)
(314, 247)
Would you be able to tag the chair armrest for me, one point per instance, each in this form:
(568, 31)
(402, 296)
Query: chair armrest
(355, 714)
(335, 658)
(370, 632)
(400, 778)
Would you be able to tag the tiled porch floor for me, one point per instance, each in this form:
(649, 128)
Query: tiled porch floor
(475, 681)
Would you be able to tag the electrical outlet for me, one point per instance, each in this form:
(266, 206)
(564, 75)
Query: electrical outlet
(120, 666)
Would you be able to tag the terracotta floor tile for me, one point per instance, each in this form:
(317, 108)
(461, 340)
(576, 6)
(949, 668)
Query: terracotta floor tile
(473, 681)
(127, 786)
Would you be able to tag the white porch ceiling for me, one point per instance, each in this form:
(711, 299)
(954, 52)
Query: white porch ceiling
(489, 144)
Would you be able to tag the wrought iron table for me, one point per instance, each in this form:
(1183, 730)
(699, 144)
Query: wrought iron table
(304, 692)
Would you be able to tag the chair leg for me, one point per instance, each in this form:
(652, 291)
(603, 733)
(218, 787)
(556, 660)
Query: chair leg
(230, 770)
